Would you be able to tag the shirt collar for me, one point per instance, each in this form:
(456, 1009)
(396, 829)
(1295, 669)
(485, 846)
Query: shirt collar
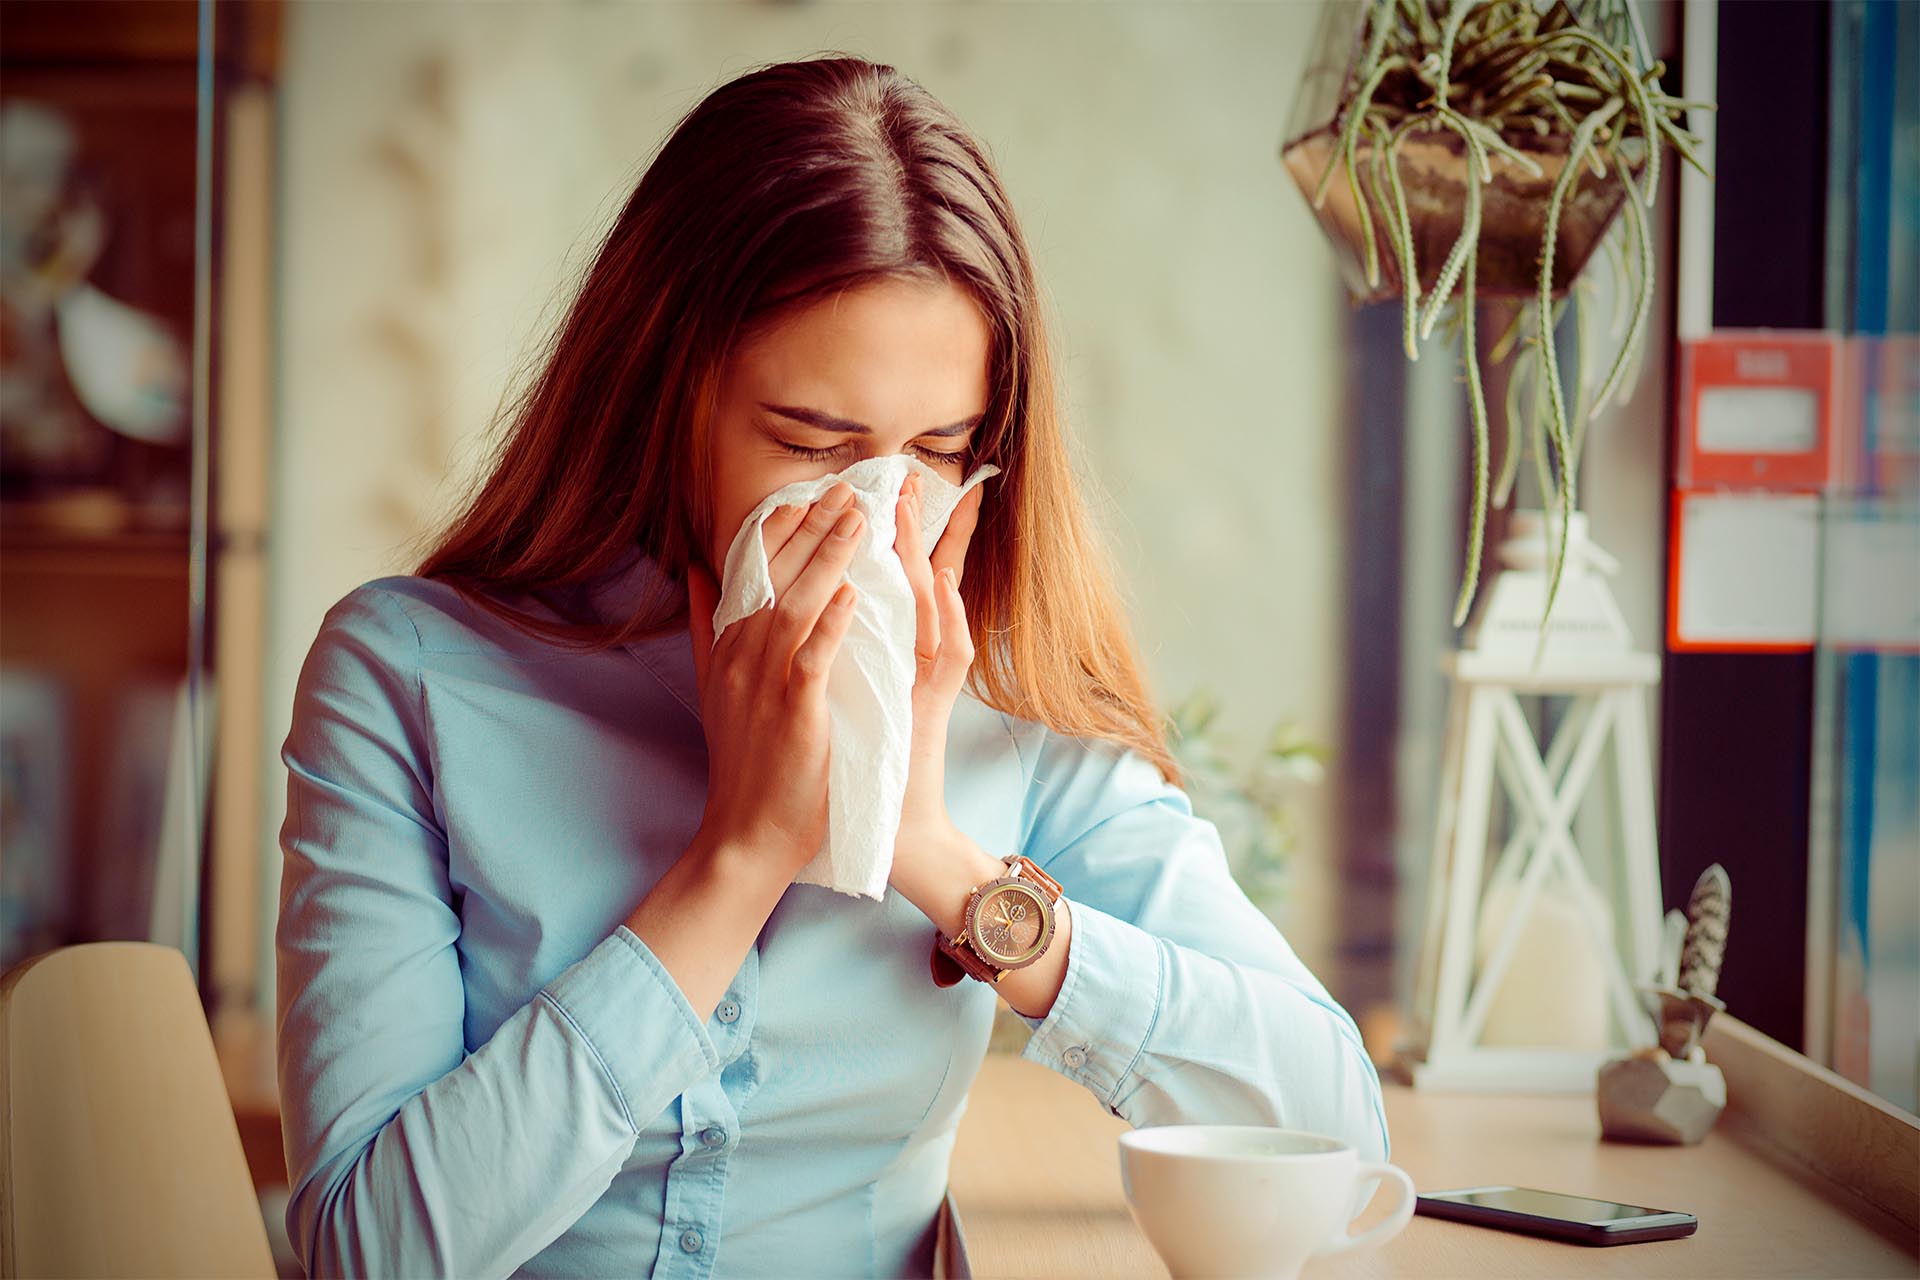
(637, 581)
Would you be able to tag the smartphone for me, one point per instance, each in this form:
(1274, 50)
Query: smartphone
(1559, 1217)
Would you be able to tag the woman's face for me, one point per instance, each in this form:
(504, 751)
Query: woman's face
(891, 367)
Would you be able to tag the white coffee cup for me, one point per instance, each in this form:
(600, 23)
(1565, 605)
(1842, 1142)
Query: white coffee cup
(1251, 1200)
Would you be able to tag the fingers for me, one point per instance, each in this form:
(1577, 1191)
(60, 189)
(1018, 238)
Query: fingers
(779, 526)
(814, 658)
(956, 647)
(797, 608)
(913, 558)
(775, 531)
(804, 534)
(809, 547)
(791, 534)
(951, 553)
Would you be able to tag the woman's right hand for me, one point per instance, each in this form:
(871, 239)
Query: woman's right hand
(763, 686)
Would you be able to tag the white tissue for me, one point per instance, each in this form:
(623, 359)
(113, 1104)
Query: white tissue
(870, 687)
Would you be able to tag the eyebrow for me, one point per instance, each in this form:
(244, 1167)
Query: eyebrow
(827, 422)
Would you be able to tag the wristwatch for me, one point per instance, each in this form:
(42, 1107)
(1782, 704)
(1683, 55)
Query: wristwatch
(1008, 925)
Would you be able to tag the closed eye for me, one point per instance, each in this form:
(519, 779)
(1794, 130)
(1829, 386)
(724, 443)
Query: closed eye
(935, 456)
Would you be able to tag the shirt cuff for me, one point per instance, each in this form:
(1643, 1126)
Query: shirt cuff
(637, 1022)
(1107, 1006)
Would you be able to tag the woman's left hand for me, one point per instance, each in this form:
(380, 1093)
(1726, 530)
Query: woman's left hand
(943, 654)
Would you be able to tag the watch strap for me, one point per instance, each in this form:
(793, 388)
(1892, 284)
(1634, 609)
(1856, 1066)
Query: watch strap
(955, 959)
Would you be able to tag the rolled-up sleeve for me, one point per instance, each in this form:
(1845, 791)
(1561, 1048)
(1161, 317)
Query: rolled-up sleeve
(1182, 1003)
(407, 1154)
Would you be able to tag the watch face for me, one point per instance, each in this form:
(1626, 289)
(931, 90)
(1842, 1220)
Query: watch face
(1010, 925)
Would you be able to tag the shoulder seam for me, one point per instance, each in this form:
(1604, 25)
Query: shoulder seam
(399, 602)
(419, 642)
(432, 764)
(404, 601)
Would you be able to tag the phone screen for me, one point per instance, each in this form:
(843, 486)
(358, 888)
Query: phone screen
(1545, 1204)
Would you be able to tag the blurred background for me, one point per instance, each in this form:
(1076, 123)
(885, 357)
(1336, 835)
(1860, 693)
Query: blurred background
(270, 269)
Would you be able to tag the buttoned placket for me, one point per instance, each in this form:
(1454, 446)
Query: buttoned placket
(709, 1131)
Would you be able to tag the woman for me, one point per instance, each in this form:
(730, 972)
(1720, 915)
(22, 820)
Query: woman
(550, 1001)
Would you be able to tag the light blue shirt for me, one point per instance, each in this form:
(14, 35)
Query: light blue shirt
(483, 1072)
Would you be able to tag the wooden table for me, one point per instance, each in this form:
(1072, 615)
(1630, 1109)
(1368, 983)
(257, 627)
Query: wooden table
(1035, 1179)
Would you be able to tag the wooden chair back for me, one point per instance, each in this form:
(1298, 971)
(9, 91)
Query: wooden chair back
(119, 1155)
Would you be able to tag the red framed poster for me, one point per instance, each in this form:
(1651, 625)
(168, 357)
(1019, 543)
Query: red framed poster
(1742, 571)
(1760, 409)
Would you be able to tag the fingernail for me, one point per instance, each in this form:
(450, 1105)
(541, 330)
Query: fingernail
(789, 510)
(839, 496)
(848, 525)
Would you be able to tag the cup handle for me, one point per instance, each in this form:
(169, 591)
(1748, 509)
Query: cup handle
(1381, 1231)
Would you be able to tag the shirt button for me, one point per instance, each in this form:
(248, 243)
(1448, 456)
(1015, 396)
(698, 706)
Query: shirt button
(690, 1240)
(713, 1136)
(1075, 1057)
(727, 1012)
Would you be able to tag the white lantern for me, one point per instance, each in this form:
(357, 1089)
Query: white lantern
(1535, 901)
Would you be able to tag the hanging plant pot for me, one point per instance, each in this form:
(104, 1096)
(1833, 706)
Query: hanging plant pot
(1433, 174)
(1455, 150)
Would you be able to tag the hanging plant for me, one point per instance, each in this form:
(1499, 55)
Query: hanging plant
(1492, 145)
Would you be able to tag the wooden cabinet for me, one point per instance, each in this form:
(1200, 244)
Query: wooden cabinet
(135, 359)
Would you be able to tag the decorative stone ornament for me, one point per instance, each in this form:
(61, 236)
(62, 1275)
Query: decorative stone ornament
(1651, 1097)
(1669, 1092)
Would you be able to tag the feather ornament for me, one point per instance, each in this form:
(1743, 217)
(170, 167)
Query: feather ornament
(1682, 1005)
(1708, 912)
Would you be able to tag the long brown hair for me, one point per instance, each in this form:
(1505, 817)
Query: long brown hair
(791, 182)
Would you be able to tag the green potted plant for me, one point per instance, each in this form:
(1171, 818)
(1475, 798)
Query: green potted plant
(1491, 147)
(1250, 804)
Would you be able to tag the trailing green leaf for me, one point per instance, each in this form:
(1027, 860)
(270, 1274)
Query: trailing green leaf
(1365, 213)
(1349, 130)
(1537, 431)
(1642, 103)
(1620, 278)
(1467, 243)
(1477, 400)
(1504, 343)
(1403, 238)
(1643, 295)
(1576, 156)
